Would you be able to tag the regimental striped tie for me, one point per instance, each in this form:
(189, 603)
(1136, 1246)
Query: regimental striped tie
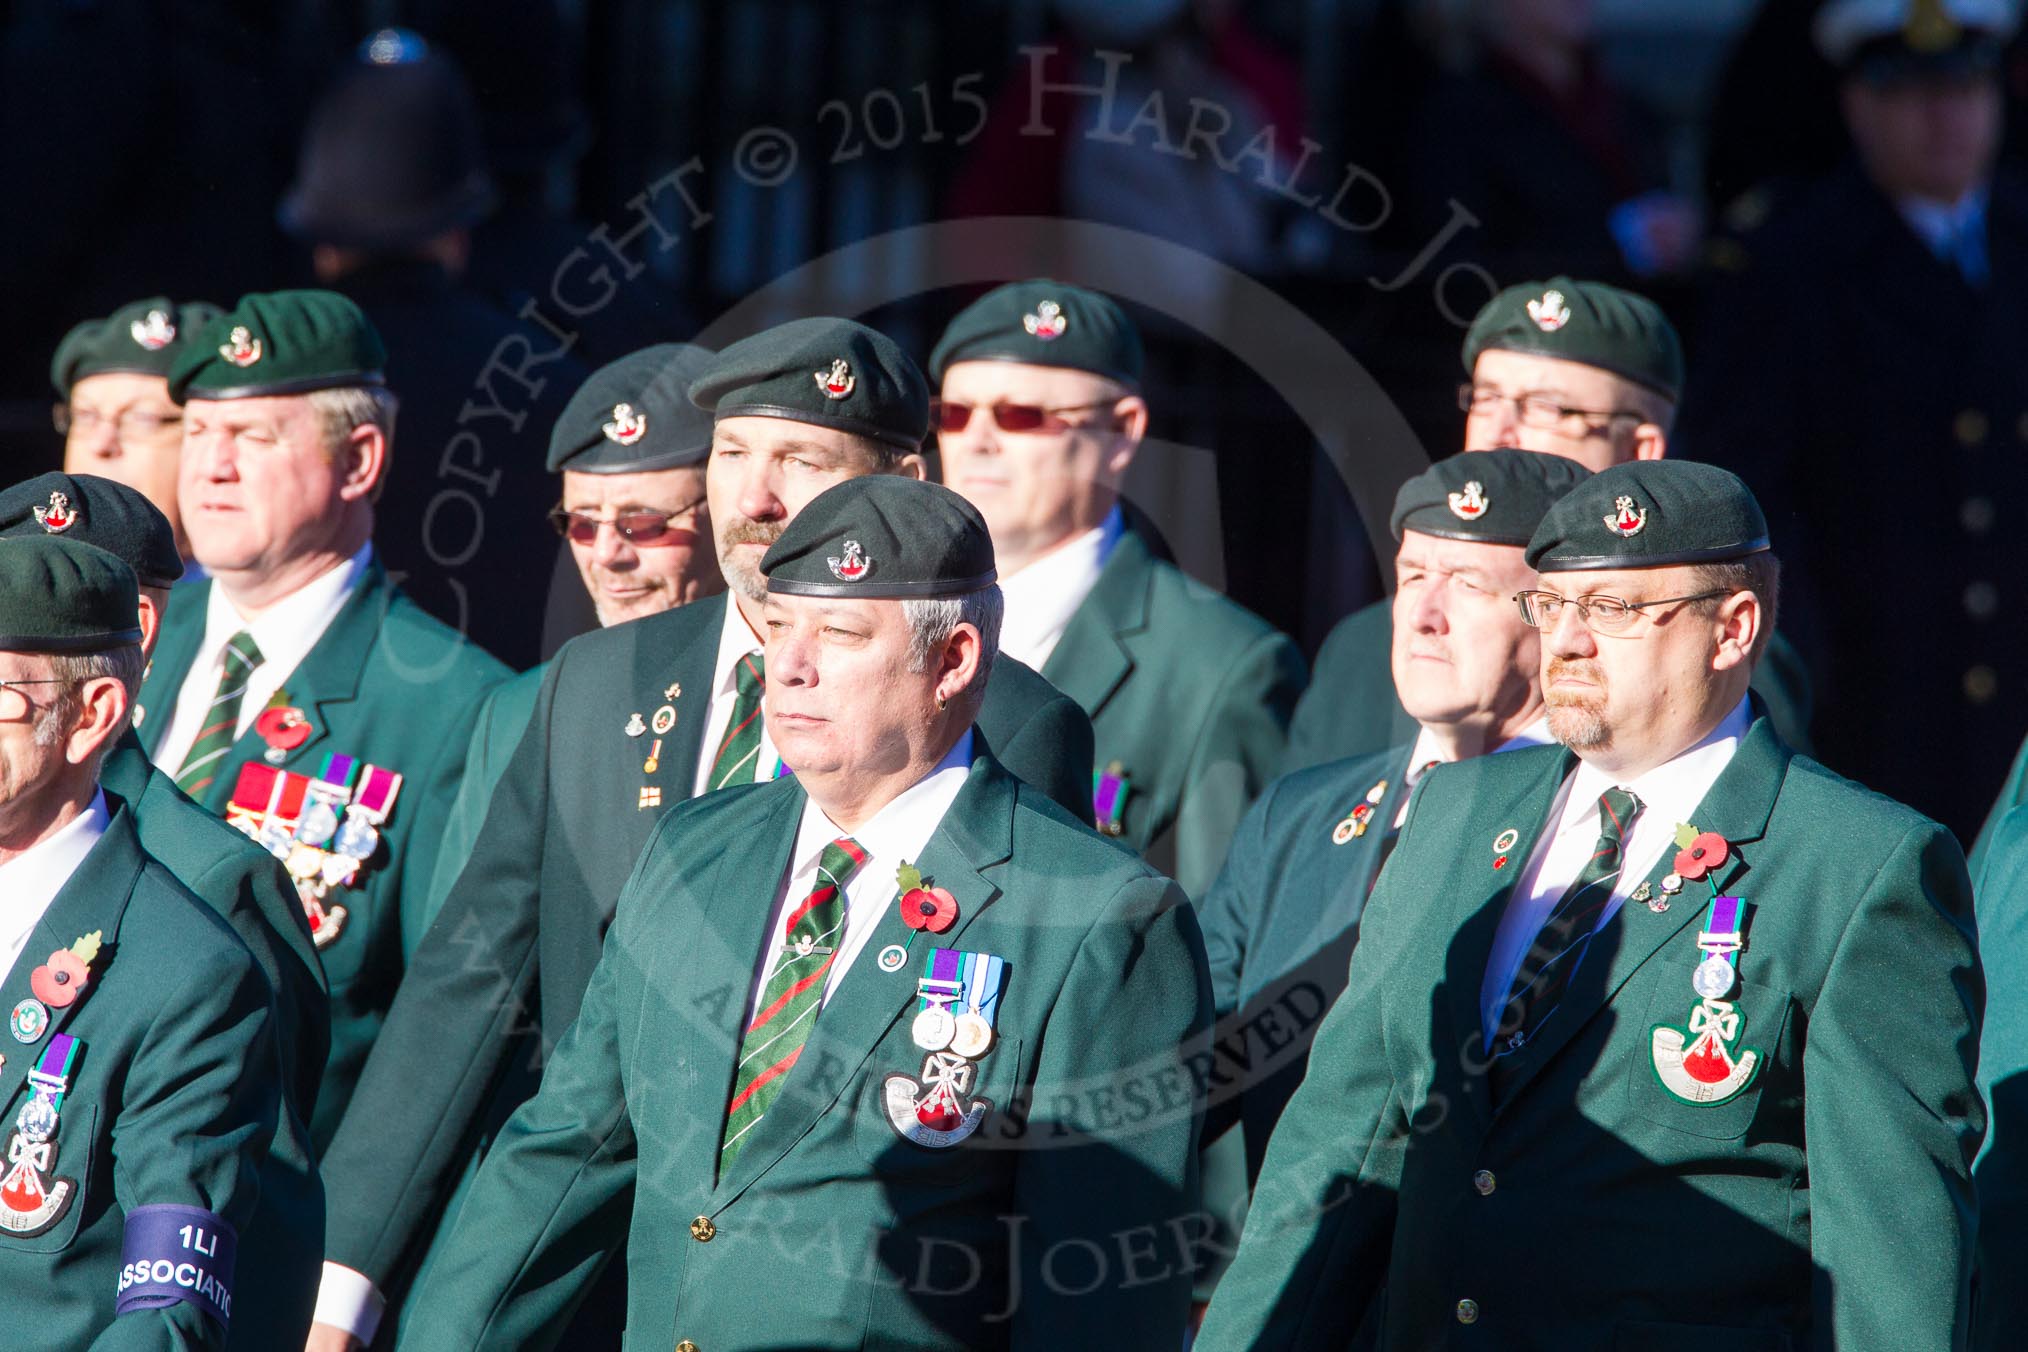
(1547, 968)
(790, 997)
(221, 718)
(734, 763)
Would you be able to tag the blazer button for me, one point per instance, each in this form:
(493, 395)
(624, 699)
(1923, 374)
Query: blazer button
(1485, 1182)
(1468, 1313)
(702, 1229)
(1969, 427)
(1981, 684)
(686, 1346)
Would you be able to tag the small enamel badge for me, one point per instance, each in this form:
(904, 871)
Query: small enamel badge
(1109, 790)
(1506, 840)
(673, 692)
(837, 382)
(627, 426)
(1360, 817)
(57, 517)
(1471, 503)
(1549, 312)
(240, 347)
(664, 719)
(29, 1021)
(636, 725)
(854, 566)
(1047, 322)
(1626, 519)
(155, 332)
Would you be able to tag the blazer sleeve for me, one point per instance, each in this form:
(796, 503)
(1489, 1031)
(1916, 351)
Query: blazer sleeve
(2001, 1174)
(551, 1203)
(467, 994)
(1230, 913)
(1117, 1106)
(193, 1127)
(1315, 1248)
(1241, 748)
(1893, 1118)
(436, 799)
(1053, 751)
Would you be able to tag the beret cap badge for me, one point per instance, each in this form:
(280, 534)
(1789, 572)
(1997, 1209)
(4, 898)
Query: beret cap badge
(854, 566)
(57, 517)
(837, 382)
(1047, 322)
(154, 332)
(240, 348)
(627, 426)
(1470, 503)
(1549, 311)
(1626, 520)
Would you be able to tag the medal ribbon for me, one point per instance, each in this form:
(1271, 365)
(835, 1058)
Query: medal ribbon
(376, 793)
(943, 979)
(51, 1076)
(334, 777)
(1724, 923)
(982, 985)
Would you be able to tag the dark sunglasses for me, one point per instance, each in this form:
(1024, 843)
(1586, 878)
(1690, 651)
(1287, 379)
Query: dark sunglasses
(948, 416)
(636, 528)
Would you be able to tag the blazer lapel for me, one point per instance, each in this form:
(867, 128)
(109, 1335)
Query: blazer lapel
(1737, 807)
(975, 834)
(684, 667)
(326, 679)
(94, 898)
(175, 650)
(1524, 810)
(1092, 658)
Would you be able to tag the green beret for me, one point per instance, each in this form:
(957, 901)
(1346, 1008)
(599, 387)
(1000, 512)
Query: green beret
(635, 414)
(1043, 323)
(280, 342)
(142, 339)
(1650, 514)
(64, 596)
(100, 512)
(829, 372)
(1586, 322)
(883, 536)
(1491, 497)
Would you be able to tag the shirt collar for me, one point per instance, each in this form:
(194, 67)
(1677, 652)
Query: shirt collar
(1672, 790)
(1041, 598)
(1941, 222)
(736, 639)
(34, 877)
(901, 829)
(287, 630)
(1427, 751)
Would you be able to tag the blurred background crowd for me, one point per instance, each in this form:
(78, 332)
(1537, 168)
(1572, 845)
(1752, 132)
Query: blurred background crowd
(519, 191)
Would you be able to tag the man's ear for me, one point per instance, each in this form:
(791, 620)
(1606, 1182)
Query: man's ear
(959, 668)
(914, 465)
(1650, 442)
(1740, 618)
(102, 716)
(363, 457)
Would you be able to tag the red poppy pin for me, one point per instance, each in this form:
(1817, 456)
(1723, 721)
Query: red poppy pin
(1700, 852)
(283, 728)
(924, 908)
(59, 982)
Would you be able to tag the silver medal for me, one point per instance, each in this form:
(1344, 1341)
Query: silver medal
(934, 1028)
(974, 1036)
(1713, 978)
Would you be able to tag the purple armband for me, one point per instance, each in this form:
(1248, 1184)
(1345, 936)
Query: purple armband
(177, 1253)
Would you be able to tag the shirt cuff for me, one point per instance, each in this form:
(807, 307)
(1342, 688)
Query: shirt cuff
(347, 1300)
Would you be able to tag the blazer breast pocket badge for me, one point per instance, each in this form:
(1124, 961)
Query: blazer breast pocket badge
(958, 1001)
(1706, 1064)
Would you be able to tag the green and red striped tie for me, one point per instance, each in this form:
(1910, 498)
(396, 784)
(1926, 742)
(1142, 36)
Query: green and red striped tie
(734, 763)
(790, 997)
(221, 718)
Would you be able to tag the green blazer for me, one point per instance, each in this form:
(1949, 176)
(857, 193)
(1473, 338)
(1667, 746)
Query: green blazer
(1827, 1204)
(1189, 693)
(250, 891)
(830, 1231)
(2002, 1169)
(1351, 708)
(521, 931)
(173, 1100)
(1280, 924)
(2012, 794)
(503, 718)
(397, 689)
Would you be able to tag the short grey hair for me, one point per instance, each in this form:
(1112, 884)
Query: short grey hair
(350, 406)
(123, 664)
(932, 621)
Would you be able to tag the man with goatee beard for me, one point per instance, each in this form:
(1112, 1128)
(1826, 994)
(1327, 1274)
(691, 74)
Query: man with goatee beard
(630, 721)
(1674, 998)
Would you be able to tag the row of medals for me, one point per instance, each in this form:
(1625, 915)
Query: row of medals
(937, 1029)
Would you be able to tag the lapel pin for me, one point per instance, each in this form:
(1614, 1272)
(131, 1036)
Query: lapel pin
(673, 692)
(1506, 840)
(654, 761)
(59, 982)
(284, 728)
(29, 1021)
(891, 958)
(636, 725)
(665, 719)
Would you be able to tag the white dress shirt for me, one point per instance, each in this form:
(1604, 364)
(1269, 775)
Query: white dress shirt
(31, 880)
(1954, 231)
(736, 639)
(284, 632)
(1669, 795)
(893, 836)
(1041, 598)
(1428, 753)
